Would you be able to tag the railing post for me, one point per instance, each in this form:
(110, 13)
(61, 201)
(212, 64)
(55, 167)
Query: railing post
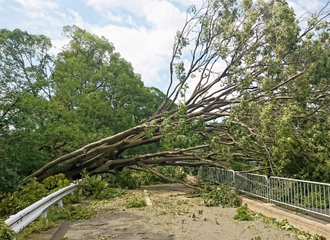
(268, 192)
(44, 214)
(234, 180)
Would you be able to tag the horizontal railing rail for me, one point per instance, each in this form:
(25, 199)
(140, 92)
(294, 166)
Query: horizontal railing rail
(23, 218)
(300, 194)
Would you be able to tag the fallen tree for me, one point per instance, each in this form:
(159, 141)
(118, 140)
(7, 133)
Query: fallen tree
(241, 73)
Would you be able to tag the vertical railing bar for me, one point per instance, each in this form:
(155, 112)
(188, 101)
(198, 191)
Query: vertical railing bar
(286, 196)
(324, 200)
(329, 200)
(304, 200)
(284, 189)
(295, 193)
(277, 187)
(311, 192)
(291, 190)
(268, 190)
(297, 196)
(316, 201)
(320, 208)
(301, 194)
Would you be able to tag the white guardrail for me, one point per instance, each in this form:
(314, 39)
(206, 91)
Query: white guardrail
(23, 218)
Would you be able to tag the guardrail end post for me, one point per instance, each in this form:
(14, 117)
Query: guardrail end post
(44, 214)
(60, 203)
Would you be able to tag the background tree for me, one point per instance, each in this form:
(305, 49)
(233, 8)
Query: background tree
(24, 91)
(53, 105)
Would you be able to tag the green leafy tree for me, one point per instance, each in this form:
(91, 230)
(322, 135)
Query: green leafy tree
(24, 90)
(52, 106)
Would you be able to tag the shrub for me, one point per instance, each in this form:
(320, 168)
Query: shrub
(135, 201)
(243, 214)
(5, 232)
(23, 197)
(100, 188)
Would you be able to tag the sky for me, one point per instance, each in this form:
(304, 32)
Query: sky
(142, 31)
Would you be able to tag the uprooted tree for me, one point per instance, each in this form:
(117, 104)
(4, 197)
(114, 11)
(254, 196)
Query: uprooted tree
(249, 86)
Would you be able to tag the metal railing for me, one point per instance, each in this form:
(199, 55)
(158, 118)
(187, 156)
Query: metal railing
(218, 175)
(23, 218)
(254, 184)
(305, 195)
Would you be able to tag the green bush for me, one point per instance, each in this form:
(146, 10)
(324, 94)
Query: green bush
(135, 201)
(243, 214)
(23, 197)
(56, 182)
(71, 213)
(5, 232)
(100, 188)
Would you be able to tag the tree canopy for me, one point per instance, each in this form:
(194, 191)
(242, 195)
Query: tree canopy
(248, 90)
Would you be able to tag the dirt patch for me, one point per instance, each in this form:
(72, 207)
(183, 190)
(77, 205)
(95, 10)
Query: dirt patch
(171, 216)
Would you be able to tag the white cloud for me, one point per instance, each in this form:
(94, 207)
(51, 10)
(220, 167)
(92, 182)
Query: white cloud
(37, 4)
(148, 51)
(147, 46)
(133, 6)
(115, 18)
(36, 9)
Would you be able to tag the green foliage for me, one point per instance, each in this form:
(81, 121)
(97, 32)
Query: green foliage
(54, 183)
(135, 201)
(182, 134)
(23, 197)
(100, 188)
(219, 195)
(243, 214)
(71, 213)
(6, 233)
(132, 179)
